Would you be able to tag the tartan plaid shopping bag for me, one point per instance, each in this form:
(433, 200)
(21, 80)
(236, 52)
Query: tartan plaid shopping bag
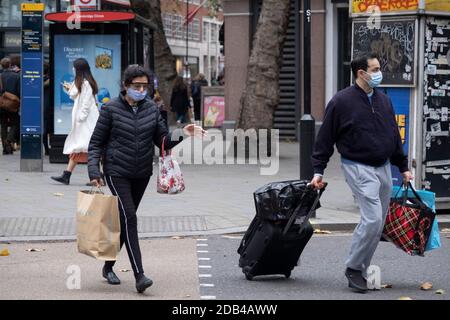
(408, 223)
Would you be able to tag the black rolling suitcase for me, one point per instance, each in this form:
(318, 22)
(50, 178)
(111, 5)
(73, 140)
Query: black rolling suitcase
(274, 246)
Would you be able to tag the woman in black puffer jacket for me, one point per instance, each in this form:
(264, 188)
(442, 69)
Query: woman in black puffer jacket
(126, 131)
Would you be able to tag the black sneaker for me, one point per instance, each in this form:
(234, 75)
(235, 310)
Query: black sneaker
(142, 283)
(110, 276)
(356, 280)
(7, 149)
(64, 178)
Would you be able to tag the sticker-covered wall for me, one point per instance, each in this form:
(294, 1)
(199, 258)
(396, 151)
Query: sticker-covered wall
(436, 147)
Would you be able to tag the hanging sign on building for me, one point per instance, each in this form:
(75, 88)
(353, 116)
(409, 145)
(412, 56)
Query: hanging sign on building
(370, 7)
(383, 6)
(437, 5)
(91, 16)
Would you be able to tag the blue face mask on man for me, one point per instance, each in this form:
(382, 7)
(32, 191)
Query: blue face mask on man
(375, 79)
(136, 95)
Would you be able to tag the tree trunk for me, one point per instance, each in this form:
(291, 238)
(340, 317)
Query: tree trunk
(261, 94)
(165, 63)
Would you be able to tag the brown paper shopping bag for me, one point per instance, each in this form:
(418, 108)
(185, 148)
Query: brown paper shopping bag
(98, 225)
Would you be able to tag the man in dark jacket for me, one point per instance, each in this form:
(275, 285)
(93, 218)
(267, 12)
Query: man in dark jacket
(360, 120)
(10, 83)
(126, 131)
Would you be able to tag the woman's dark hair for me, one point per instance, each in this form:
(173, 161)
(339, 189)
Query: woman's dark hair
(83, 71)
(179, 85)
(135, 71)
(15, 60)
(361, 62)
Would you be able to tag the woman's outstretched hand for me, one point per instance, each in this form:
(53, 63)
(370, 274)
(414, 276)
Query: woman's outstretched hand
(193, 130)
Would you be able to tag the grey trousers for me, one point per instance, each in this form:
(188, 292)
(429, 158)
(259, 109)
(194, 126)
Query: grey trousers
(372, 187)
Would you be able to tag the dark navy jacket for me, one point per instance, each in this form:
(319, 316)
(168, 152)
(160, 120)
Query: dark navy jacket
(363, 132)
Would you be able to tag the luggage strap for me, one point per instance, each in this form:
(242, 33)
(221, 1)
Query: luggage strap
(311, 210)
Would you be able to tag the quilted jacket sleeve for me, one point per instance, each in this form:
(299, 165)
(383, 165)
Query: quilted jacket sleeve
(161, 132)
(98, 142)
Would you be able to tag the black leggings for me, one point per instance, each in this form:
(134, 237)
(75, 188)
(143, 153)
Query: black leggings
(129, 193)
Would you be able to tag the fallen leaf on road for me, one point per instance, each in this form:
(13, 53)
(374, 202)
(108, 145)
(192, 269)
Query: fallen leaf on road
(177, 237)
(404, 298)
(426, 286)
(58, 194)
(440, 291)
(232, 237)
(124, 270)
(35, 250)
(4, 253)
(318, 231)
(387, 286)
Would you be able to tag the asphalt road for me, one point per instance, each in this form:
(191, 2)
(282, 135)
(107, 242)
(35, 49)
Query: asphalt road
(321, 273)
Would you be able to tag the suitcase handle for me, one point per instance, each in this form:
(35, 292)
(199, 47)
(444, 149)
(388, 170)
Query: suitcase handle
(311, 210)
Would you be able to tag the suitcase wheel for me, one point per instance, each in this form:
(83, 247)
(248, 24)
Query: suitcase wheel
(247, 273)
(287, 274)
(248, 276)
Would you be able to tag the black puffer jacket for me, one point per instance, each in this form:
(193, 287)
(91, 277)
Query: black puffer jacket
(125, 139)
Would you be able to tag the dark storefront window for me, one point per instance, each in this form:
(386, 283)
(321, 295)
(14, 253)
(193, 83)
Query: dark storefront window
(344, 49)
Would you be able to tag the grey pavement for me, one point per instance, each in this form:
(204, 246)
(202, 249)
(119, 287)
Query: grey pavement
(218, 200)
(61, 273)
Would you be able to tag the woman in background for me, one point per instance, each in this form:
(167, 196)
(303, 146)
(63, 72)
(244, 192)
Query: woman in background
(179, 101)
(84, 117)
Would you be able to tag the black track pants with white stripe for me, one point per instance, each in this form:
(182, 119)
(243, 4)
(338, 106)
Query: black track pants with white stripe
(129, 193)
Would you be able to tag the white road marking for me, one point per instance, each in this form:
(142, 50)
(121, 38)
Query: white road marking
(209, 285)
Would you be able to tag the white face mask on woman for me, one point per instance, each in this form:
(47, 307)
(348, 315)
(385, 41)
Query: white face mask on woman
(136, 95)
